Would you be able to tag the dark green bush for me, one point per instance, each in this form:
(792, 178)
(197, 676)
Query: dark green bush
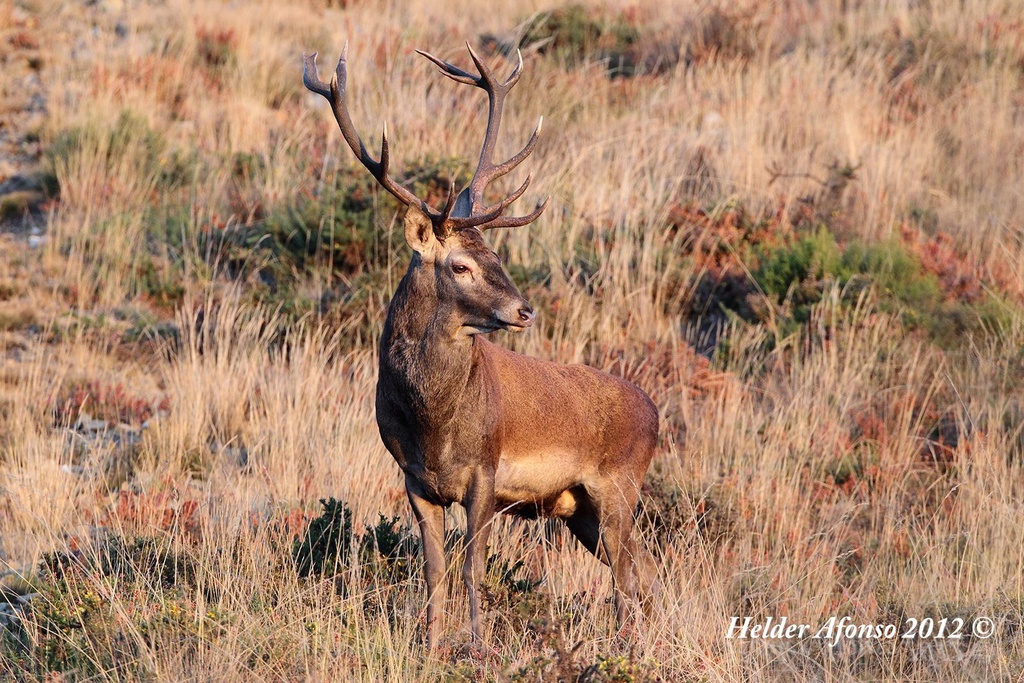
(575, 35)
(896, 273)
(74, 633)
(811, 257)
(389, 547)
(327, 542)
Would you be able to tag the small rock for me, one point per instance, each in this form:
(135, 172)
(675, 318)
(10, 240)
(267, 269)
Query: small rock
(17, 204)
(86, 424)
(233, 455)
(76, 470)
(27, 598)
(21, 183)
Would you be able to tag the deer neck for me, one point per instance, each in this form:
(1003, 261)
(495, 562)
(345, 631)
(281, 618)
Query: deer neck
(421, 352)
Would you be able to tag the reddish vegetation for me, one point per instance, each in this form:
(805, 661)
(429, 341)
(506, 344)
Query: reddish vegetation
(291, 525)
(660, 367)
(158, 510)
(110, 402)
(962, 278)
(139, 74)
(215, 46)
(940, 437)
(24, 41)
(958, 275)
(715, 240)
(720, 245)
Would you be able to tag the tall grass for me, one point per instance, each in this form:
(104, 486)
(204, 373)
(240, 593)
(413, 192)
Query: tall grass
(839, 462)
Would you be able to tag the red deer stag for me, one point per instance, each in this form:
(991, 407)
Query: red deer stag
(473, 423)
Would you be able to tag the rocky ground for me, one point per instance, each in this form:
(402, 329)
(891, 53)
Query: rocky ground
(28, 192)
(24, 188)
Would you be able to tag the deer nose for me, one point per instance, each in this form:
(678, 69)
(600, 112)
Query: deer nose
(526, 315)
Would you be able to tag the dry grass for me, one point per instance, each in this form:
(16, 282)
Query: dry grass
(827, 455)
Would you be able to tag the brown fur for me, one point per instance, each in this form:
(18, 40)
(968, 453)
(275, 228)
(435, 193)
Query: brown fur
(473, 423)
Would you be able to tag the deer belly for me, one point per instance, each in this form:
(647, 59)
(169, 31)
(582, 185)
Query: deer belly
(536, 486)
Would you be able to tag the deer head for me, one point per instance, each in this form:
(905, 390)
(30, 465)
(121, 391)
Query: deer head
(467, 277)
(448, 243)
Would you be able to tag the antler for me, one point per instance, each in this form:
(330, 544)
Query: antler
(468, 208)
(335, 94)
(457, 214)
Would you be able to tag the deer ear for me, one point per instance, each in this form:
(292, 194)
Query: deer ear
(419, 231)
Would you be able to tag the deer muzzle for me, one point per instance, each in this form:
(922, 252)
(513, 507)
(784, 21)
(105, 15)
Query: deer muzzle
(517, 317)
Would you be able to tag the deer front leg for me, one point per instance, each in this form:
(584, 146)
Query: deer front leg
(479, 504)
(430, 518)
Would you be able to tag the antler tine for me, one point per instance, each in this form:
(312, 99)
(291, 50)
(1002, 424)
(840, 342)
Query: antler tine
(469, 202)
(449, 204)
(310, 77)
(451, 71)
(492, 216)
(476, 219)
(335, 94)
(496, 171)
(516, 72)
(486, 80)
(494, 211)
(487, 75)
(516, 221)
(504, 203)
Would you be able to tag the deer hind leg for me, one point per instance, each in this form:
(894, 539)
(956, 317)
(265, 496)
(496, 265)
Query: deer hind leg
(616, 541)
(606, 536)
(647, 574)
(614, 501)
(601, 535)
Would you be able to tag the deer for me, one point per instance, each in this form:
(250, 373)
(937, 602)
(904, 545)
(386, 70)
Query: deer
(471, 422)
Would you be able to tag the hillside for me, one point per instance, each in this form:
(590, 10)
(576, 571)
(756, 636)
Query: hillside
(800, 230)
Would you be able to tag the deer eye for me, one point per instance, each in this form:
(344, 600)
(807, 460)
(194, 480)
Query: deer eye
(460, 269)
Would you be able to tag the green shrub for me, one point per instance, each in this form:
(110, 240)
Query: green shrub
(389, 548)
(574, 35)
(144, 560)
(161, 281)
(505, 583)
(75, 632)
(896, 273)
(811, 257)
(336, 230)
(797, 273)
(325, 546)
